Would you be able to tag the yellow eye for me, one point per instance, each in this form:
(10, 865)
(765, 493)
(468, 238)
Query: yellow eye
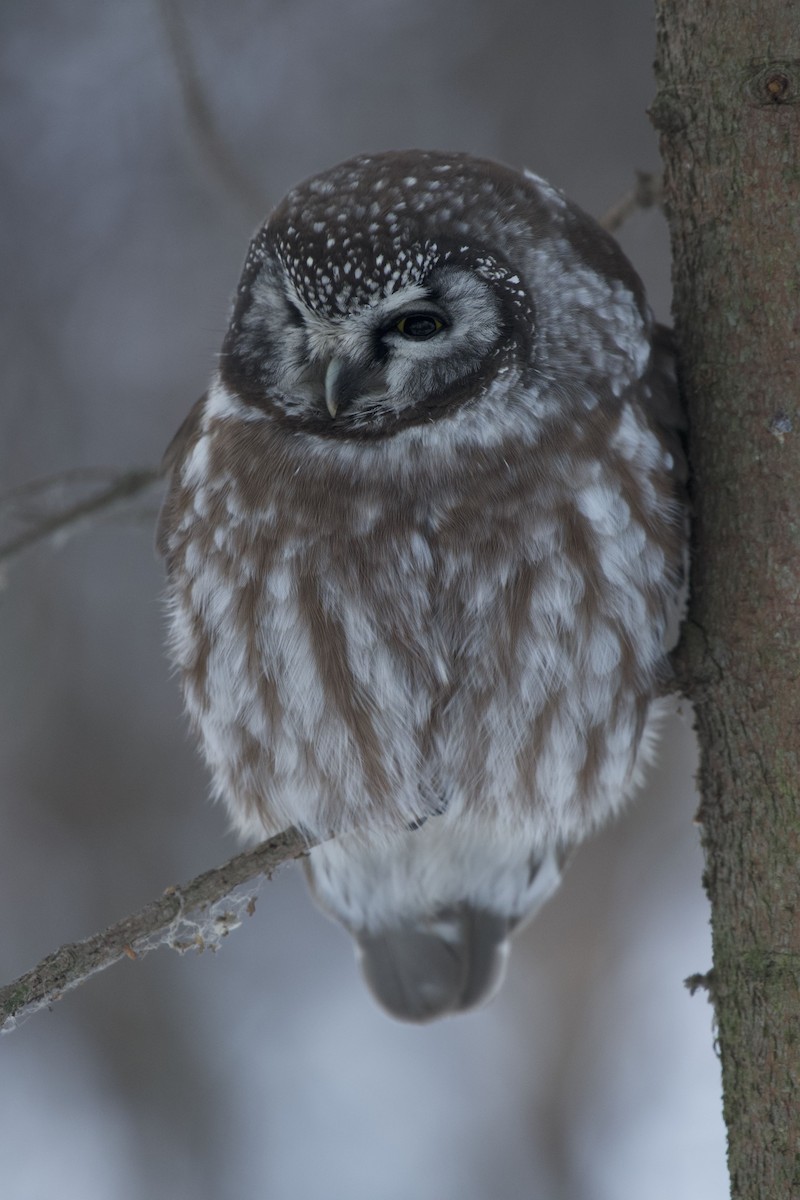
(420, 325)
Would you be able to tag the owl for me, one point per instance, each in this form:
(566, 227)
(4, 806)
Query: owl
(423, 535)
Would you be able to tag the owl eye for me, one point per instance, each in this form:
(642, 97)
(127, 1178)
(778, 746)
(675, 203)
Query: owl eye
(420, 325)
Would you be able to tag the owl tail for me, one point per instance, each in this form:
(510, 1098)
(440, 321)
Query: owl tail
(426, 969)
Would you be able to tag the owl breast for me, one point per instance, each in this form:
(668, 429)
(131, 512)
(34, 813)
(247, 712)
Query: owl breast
(371, 633)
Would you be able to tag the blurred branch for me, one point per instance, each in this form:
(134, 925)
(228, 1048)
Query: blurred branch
(213, 147)
(33, 504)
(194, 916)
(647, 192)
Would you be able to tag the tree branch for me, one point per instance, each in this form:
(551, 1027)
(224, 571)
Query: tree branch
(213, 147)
(194, 916)
(35, 495)
(647, 192)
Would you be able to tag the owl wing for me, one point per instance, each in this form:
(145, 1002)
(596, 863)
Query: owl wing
(664, 404)
(181, 444)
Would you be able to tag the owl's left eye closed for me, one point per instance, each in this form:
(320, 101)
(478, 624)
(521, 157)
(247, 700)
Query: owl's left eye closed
(419, 325)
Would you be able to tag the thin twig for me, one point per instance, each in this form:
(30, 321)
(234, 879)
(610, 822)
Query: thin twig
(121, 489)
(647, 192)
(202, 125)
(195, 915)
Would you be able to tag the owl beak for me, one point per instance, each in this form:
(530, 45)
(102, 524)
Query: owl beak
(332, 375)
(344, 382)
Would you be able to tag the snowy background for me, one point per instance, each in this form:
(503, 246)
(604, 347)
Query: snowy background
(265, 1071)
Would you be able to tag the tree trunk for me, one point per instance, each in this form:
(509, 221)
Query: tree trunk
(728, 111)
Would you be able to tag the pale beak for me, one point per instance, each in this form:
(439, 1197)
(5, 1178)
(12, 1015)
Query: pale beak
(345, 382)
(332, 392)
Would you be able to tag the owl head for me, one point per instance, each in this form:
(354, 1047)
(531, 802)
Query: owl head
(397, 287)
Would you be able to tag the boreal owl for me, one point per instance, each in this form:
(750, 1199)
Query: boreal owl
(423, 535)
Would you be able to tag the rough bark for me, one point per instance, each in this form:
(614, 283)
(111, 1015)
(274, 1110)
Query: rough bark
(728, 111)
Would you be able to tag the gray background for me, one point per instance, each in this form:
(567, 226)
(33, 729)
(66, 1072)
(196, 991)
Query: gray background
(265, 1070)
